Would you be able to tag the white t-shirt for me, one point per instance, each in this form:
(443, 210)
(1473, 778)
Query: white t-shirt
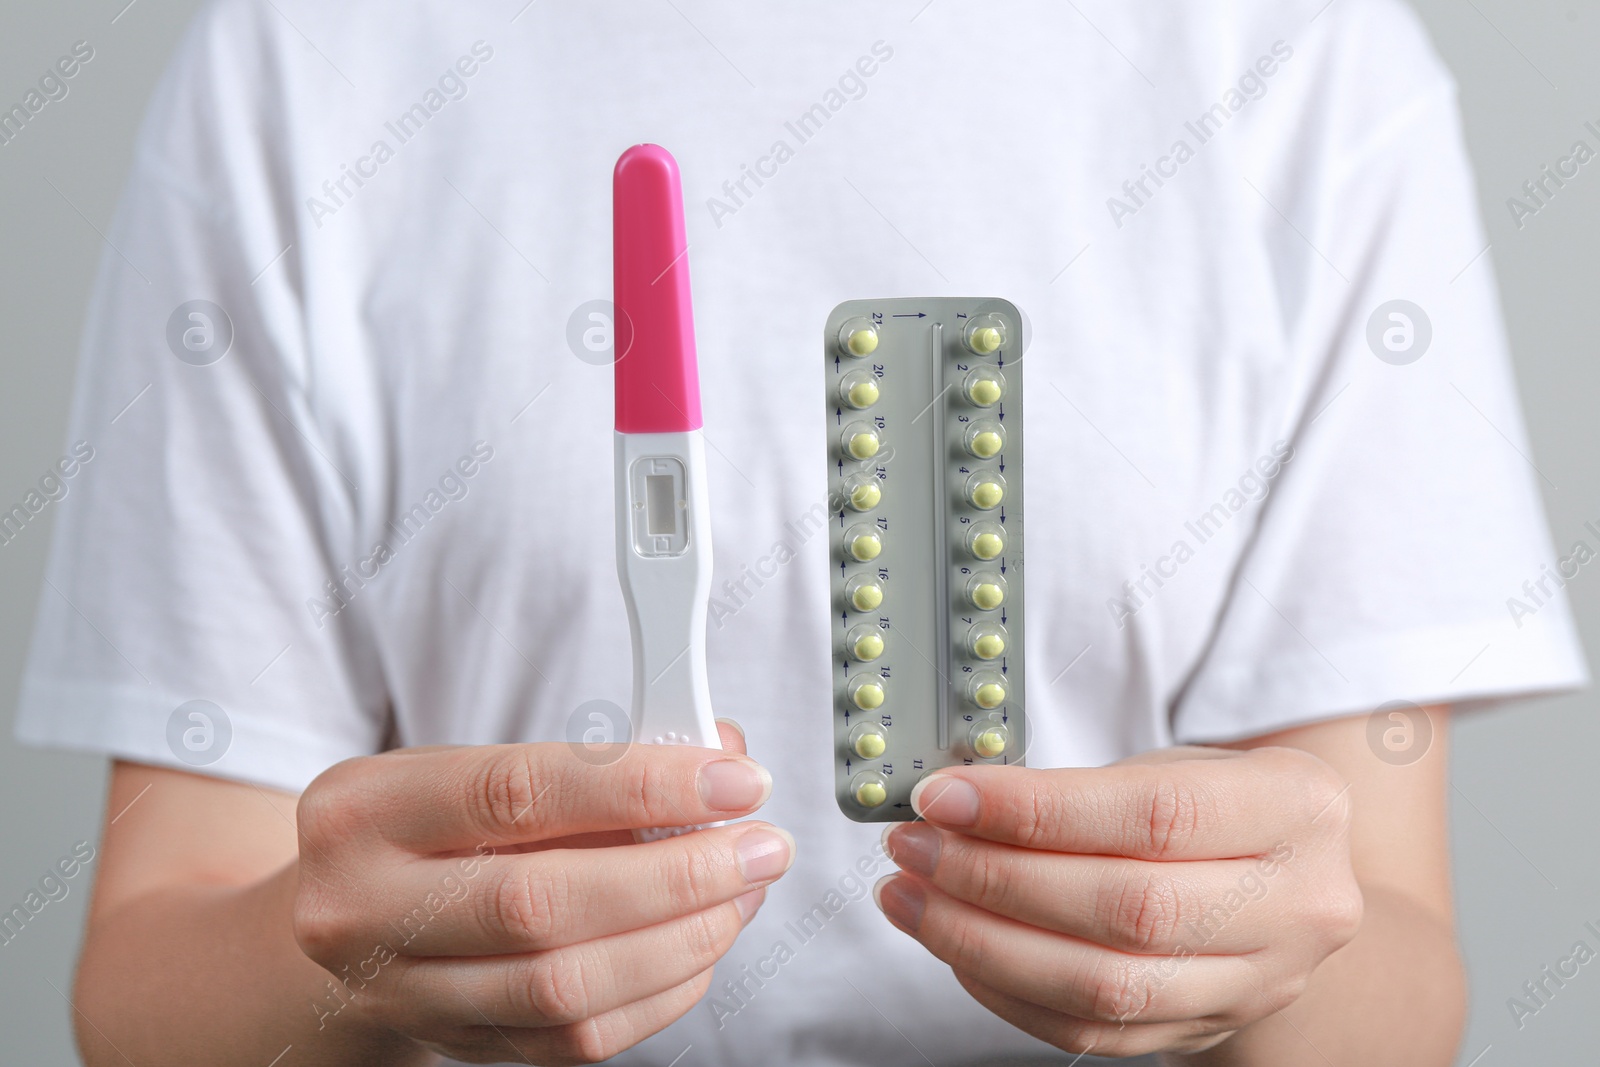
(1204, 209)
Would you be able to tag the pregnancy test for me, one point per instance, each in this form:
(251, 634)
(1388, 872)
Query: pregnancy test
(663, 517)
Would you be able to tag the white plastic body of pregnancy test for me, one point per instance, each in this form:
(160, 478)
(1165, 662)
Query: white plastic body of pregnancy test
(667, 592)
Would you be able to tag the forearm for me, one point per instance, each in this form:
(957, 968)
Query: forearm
(1395, 994)
(212, 974)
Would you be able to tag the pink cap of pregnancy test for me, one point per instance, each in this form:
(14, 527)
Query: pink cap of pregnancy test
(657, 383)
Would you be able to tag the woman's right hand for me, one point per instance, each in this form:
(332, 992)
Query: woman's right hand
(490, 903)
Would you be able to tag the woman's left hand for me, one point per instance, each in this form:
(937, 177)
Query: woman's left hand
(1158, 904)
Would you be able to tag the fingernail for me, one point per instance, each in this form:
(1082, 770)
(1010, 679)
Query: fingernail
(946, 799)
(914, 847)
(764, 854)
(734, 785)
(736, 727)
(902, 900)
(749, 903)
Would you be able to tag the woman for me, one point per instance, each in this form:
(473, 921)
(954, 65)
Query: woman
(360, 513)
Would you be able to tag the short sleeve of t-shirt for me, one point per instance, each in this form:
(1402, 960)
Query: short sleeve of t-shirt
(1403, 553)
(206, 493)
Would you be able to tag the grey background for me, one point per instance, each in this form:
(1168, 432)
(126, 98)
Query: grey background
(1526, 791)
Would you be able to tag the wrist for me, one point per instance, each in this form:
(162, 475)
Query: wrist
(338, 1002)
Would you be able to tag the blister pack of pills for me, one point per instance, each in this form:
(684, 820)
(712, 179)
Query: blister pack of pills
(925, 457)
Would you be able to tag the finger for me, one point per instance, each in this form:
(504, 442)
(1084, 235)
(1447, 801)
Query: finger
(732, 735)
(589, 1041)
(1083, 1036)
(506, 794)
(545, 900)
(568, 985)
(1241, 805)
(1063, 973)
(1215, 906)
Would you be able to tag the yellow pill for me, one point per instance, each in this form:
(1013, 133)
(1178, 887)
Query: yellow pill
(871, 794)
(990, 743)
(989, 646)
(869, 696)
(985, 392)
(865, 547)
(865, 497)
(871, 746)
(865, 446)
(990, 695)
(867, 598)
(863, 394)
(987, 495)
(988, 545)
(865, 342)
(869, 647)
(988, 596)
(985, 339)
(985, 444)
